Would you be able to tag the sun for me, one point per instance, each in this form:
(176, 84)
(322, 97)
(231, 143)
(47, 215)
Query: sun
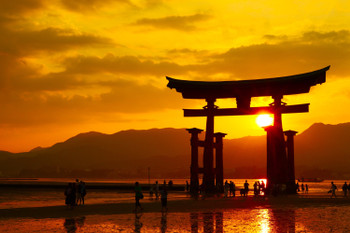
(264, 120)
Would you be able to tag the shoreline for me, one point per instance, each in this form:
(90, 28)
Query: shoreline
(187, 205)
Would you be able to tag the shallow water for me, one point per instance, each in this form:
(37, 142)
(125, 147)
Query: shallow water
(37, 197)
(311, 219)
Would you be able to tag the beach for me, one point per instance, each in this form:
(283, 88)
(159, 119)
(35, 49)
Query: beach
(114, 212)
(274, 214)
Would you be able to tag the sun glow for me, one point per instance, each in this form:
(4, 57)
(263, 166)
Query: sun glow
(264, 120)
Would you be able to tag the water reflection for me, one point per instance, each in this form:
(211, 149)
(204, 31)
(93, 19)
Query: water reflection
(210, 221)
(255, 220)
(283, 219)
(72, 224)
(138, 224)
(163, 222)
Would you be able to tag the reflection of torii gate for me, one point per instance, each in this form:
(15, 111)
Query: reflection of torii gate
(278, 170)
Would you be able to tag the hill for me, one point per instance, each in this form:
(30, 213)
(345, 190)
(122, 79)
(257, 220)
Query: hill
(320, 151)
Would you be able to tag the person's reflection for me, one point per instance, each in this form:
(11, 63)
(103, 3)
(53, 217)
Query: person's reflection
(72, 224)
(138, 223)
(283, 219)
(163, 222)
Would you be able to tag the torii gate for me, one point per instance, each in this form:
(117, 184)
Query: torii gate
(278, 169)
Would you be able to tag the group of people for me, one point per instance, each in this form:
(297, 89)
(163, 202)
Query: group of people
(75, 193)
(229, 189)
(154, 189)
(304, 188)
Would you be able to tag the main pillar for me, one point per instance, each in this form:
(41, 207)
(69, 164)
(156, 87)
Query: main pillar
(278, 145)
(194, 183)
(290, 160)
(219, 162)
(208, 157)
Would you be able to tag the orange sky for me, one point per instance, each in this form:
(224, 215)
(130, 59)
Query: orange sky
(88, 65)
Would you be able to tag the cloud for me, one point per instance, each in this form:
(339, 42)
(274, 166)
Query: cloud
(24, 42)
(310, 51)
(90, 5)
(11, 8)
(40, 108)
(182, 23)
(121, 65)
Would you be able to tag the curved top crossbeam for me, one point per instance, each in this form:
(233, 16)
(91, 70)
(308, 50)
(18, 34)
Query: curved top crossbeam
(279, 86)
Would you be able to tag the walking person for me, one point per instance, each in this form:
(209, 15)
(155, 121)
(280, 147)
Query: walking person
(138, 196)
(333, 188)
(345, 189)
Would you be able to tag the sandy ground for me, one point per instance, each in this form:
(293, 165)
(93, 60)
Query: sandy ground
(187, 205)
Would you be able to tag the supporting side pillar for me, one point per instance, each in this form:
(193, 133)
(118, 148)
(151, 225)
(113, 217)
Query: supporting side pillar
(194, 183)
(290, 161)
(219, 170)
(208, 157)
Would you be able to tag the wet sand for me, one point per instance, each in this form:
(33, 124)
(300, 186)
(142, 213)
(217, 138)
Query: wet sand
(187, 205)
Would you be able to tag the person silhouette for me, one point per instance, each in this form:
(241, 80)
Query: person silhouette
(138, 196)
(333, 188)
(246, 188)
(345, 189)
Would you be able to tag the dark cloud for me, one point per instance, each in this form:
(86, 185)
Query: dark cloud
(90, 5)
(40, 108)
(311, 51)
(25, 42)
(14, 8)
(182, 23)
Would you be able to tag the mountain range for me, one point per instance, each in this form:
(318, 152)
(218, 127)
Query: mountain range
(320, 151)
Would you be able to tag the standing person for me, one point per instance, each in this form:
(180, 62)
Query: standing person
(164, 199)
(306, 188)
(68, 194)
(231, 188)
(333, 188)
(138, 196)
(246, 187)
(302, 188)
(226, 188)
(263, 187)
(82, 191)
(297, 187)
(157, 190)
(345, 189)
(256, 189)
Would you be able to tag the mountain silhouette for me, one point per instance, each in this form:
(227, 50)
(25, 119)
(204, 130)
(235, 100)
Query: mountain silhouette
(320, 151)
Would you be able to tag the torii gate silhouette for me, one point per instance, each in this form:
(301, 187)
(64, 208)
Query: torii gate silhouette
(280, 163)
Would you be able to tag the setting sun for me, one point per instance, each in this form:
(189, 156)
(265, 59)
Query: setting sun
(264, 120)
